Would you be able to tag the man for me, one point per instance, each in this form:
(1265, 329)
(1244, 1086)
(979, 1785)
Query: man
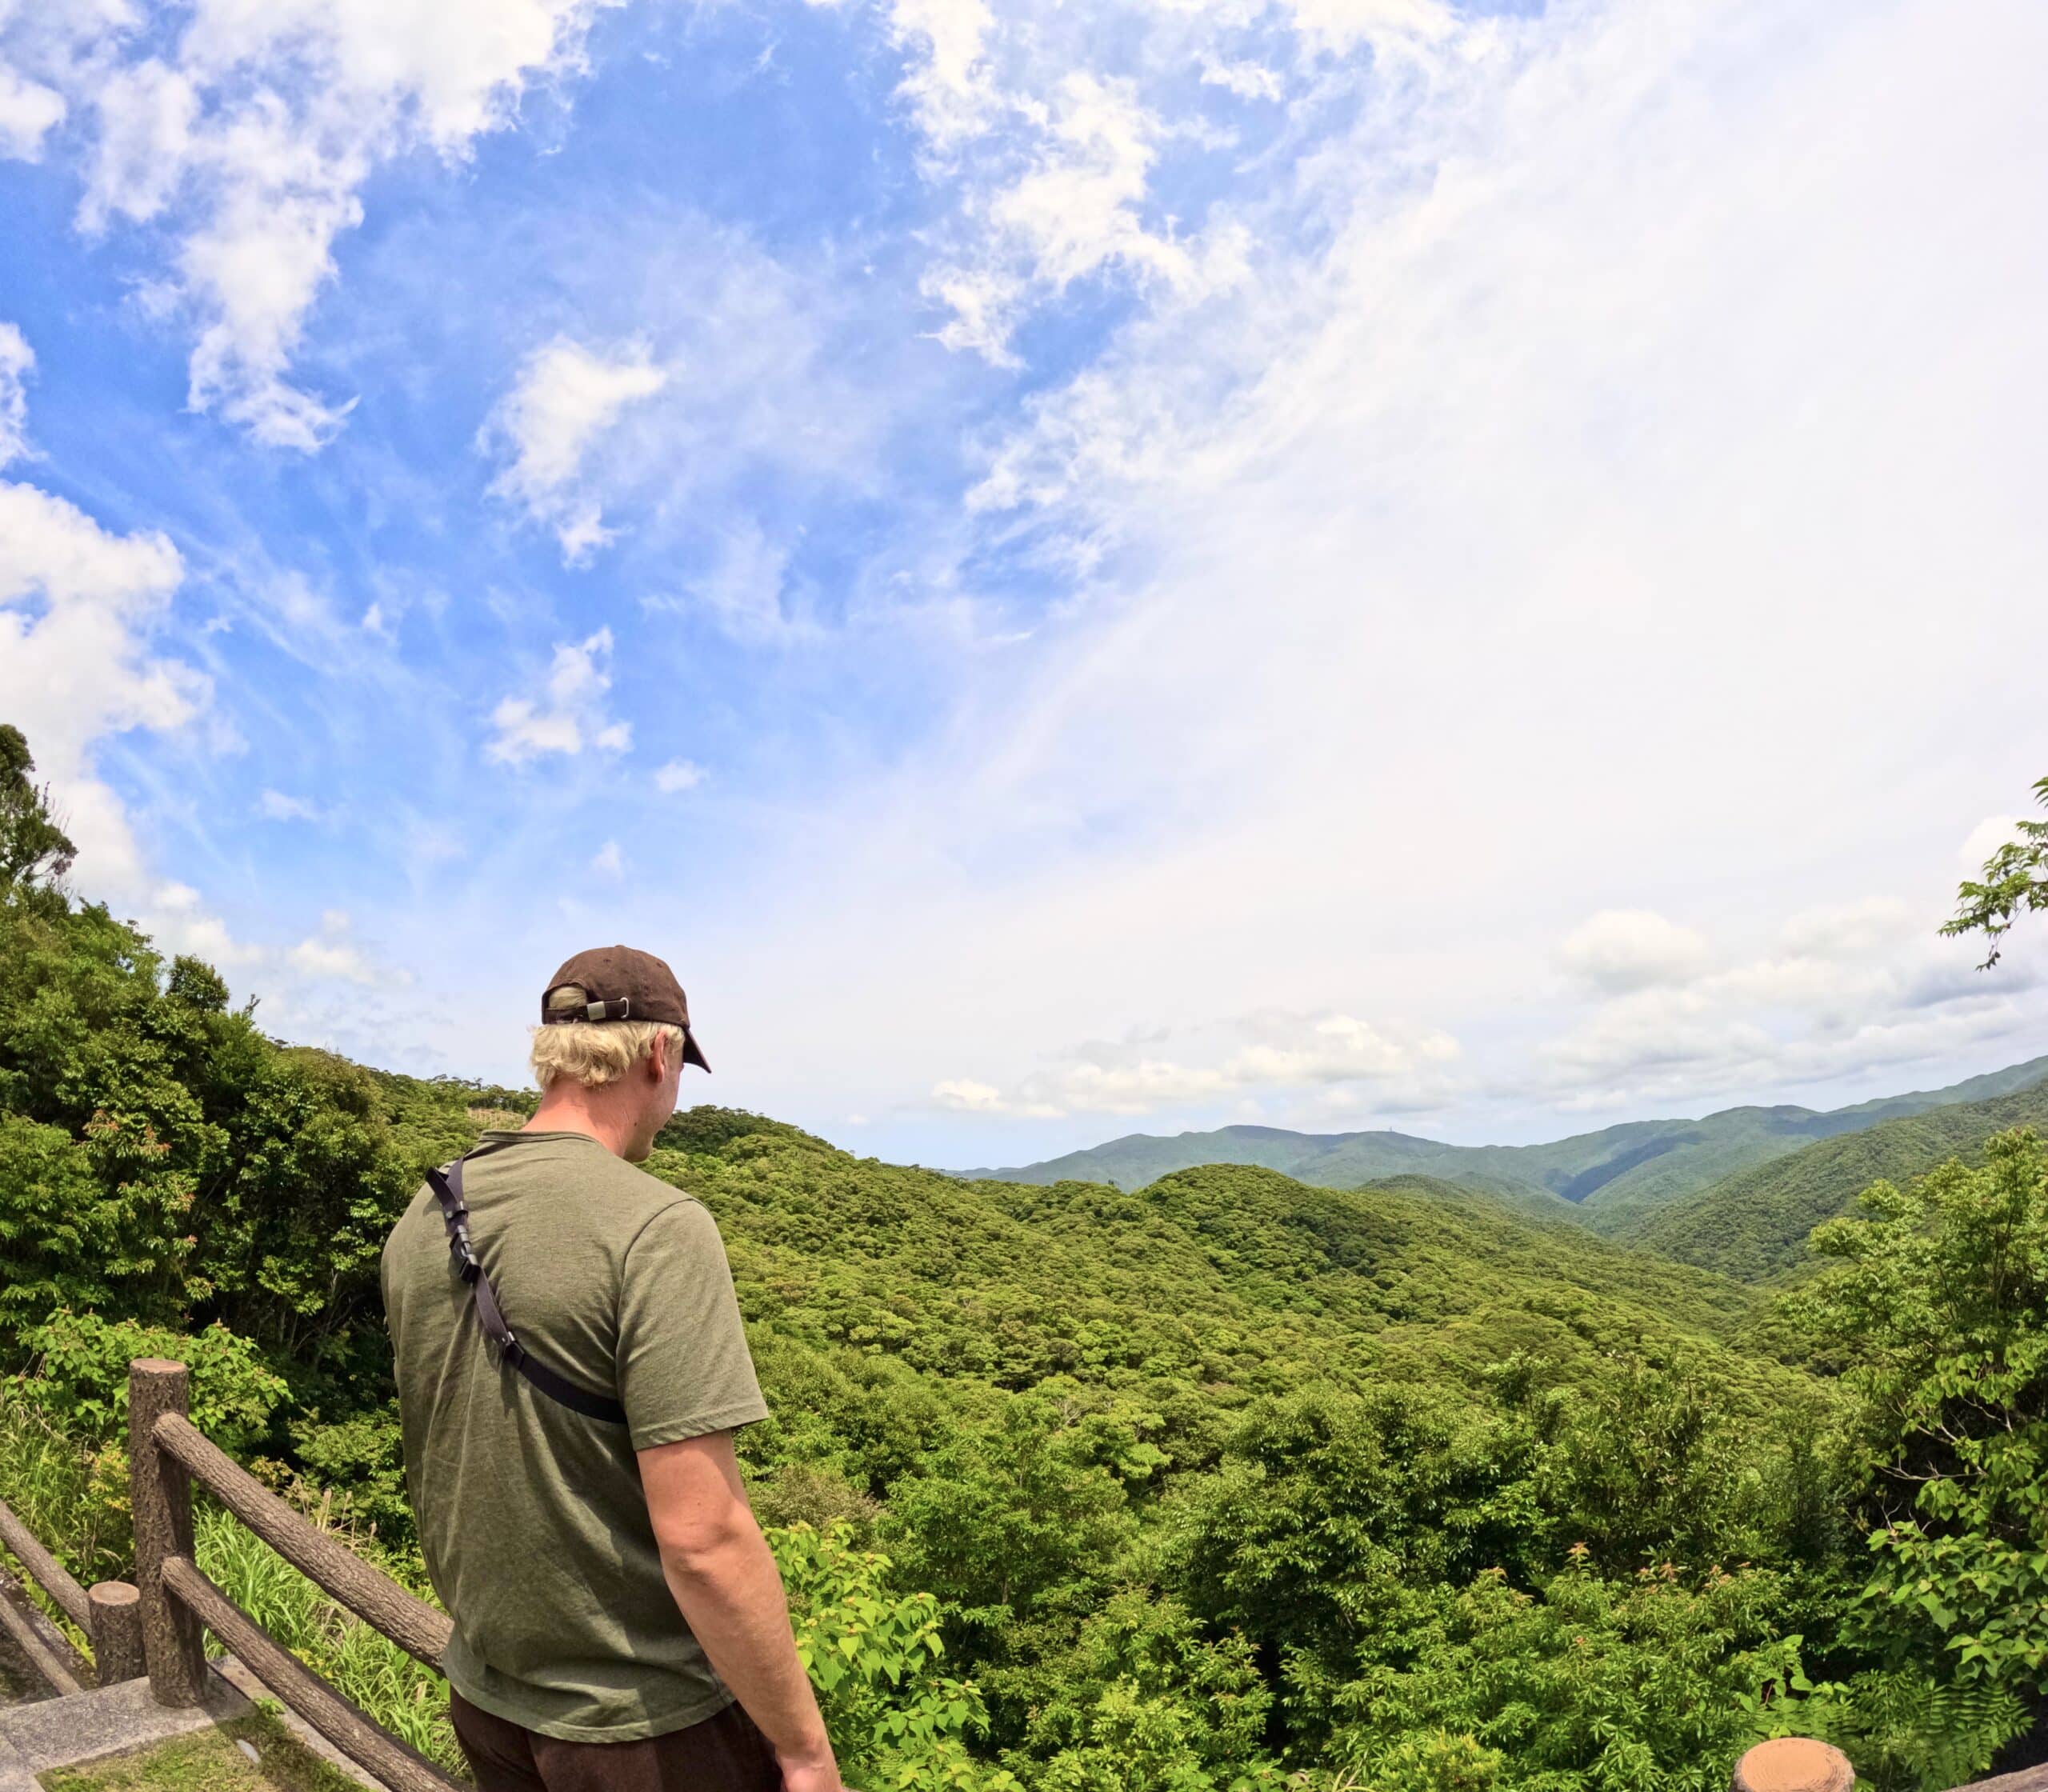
(619, 1623)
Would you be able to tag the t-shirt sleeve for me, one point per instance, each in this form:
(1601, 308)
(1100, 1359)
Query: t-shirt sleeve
(684, 1369)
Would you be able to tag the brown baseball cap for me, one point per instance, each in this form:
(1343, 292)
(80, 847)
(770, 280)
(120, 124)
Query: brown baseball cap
(617, 983)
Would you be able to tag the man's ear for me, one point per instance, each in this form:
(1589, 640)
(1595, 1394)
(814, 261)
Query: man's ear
(659, 1049)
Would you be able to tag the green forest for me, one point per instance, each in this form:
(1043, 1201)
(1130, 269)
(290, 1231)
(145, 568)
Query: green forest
(1227, 1480)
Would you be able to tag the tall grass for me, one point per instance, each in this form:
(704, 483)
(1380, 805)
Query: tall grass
(410, 1700)
(72, 1496)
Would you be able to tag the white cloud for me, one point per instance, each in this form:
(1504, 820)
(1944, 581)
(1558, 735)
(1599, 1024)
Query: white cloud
(274, 806)
(332, 954)
(565, 397)
(1855, 930)
(1985, 839)
(1632, 949)
(679, 774)
(1073, 210)
(16, 360)
(964, 1095)
(947, 83)
(1267, 1052)
(174, 918)
(1246, 80)
(609, 862)
(79, 607)
(28, 111)
(244, 133)
(1340, 26)
(1853, 988)
(572, 715)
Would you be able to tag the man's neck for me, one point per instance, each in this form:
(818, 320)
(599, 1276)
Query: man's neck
(572, 1109)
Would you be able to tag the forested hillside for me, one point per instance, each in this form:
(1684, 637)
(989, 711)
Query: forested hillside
(1202, 1485)
(1609, 1178)
(1754, 1225)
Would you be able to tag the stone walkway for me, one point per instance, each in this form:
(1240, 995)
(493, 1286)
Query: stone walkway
(101, 1720)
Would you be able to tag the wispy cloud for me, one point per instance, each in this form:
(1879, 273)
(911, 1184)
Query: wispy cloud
(332, 954)
(565, 397)
(570, 717)
(17, 358)
(274, 806)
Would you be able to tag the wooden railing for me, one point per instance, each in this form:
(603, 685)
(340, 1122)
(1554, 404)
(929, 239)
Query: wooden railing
(167, 1453)
(109, 1614)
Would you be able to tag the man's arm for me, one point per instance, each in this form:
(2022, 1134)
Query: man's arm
(730, 1594)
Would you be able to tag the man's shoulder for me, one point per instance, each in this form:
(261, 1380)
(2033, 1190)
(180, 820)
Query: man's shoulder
(647, 1197)
(628, 1196)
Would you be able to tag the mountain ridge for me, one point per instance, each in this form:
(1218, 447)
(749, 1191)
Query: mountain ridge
(1753, 1225)
(1607, 1178)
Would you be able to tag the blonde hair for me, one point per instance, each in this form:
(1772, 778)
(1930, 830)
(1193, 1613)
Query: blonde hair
(594, 1053)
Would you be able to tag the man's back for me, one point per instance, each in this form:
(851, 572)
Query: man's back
(532, 1517)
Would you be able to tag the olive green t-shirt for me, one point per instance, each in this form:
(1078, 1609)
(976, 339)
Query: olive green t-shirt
(531, 1517)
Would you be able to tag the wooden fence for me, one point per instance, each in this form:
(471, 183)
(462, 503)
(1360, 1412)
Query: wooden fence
(109, 1614)
(167, 1453)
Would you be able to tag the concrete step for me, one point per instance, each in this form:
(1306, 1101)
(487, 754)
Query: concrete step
(101, 1720)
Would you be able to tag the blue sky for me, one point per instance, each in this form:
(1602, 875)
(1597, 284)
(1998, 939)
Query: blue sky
(1336, 562)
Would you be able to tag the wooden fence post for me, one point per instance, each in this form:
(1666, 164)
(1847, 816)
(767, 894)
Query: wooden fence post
(115, 1610)
(1794, 1764)
(160, 1493)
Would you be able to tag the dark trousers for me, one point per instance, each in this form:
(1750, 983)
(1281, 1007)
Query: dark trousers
(724, 1753)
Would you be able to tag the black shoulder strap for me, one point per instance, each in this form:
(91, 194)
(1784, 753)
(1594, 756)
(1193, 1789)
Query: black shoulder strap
(446, 1183)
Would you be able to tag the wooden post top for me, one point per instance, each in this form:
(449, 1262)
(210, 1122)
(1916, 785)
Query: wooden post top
(1795, 1764)
(155, 1365)
(114, 1593)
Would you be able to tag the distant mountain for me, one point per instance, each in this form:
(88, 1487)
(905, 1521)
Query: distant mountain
(1612, 1178)
(1753, 1225)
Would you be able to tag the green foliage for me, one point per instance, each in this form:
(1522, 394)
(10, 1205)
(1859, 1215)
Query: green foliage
(1941, 1296)
(1148, 1702)
(33, 848)
(1650, 1681)
(873, 1655)
(1904, 1731)
(80, 1377)
(2015, 883)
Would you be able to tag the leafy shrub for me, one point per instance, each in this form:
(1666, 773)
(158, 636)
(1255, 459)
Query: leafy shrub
(873, 1655)
(1648, 1681)
(81, 1377)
